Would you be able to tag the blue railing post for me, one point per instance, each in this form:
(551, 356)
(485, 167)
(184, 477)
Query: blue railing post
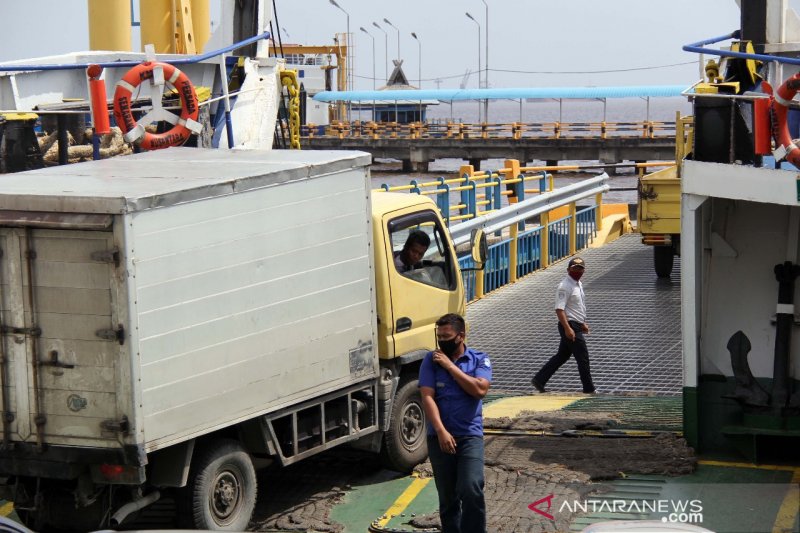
(498, 192)
(443, 200)
(473, 199)
(465, 195)
(519, 193)
(489, 190)
(543, 183)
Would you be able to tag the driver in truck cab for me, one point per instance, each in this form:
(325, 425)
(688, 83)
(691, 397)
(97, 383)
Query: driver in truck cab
(410, 257)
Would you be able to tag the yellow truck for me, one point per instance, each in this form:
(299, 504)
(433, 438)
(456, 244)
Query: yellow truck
(659, 204)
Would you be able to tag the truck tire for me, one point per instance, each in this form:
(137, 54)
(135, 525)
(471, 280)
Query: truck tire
(220, 494)
(663, 258)
(404, 444)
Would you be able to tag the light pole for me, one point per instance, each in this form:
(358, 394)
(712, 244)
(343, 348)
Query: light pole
(419, 79)
(398, 36)
(348, 66)
(486, 76)
(479, 59)
(373, 68)
(385, 52)
(373, 54)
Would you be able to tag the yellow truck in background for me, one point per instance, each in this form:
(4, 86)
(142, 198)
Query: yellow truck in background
(659, 204)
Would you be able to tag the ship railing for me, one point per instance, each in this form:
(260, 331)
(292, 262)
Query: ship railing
(221, 54)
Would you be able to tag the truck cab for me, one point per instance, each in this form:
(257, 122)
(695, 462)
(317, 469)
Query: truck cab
(410, 302)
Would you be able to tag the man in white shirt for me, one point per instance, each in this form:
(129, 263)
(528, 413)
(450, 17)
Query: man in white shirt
(571, 313)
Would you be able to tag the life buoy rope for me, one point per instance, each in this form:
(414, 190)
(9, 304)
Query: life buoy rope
(780, 127)
(157, 74)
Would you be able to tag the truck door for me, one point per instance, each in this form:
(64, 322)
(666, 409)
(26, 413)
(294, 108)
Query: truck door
(61, 340)
(424, 286)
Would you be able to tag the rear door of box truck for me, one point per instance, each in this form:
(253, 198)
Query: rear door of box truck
(61, 337)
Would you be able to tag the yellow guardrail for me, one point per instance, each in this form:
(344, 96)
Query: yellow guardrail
(513, 130)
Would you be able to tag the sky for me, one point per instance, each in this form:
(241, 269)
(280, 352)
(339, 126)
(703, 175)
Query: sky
(532, 43)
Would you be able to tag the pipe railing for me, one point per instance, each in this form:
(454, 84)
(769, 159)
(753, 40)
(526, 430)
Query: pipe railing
(513, 130)
(472, 194)
(560, 230)
(12, 67)
(172, 61)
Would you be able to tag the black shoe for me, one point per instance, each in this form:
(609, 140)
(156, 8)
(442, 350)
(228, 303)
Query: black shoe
(538, 386)
(593, 391)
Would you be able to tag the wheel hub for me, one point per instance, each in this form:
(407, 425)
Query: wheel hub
(412, 424)
(226, 495)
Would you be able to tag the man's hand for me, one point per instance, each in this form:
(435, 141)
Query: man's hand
(446, 441)
(585, 328)
(442, 360)
(570, 333)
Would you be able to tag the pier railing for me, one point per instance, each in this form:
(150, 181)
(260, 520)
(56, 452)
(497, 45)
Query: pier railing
(537, 226)
(647, 129)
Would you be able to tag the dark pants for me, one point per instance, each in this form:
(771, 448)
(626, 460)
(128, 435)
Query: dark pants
(459, 482)
(566, 348)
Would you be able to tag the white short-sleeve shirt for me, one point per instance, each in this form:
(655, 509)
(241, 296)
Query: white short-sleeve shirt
(570, 298)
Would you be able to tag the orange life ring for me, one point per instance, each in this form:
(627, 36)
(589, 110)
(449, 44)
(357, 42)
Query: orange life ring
(780, 127)
(183, 126)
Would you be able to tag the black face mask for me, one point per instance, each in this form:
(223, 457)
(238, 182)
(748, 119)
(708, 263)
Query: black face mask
(450, 346)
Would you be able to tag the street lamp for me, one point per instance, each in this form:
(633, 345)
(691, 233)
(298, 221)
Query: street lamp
(373, 55)
(479, 59)
(398, 36)
(385, 51)
(486, 76)
(348, 67)
(419, 80)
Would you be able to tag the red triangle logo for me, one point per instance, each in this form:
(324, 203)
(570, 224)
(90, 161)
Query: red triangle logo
(534, 506)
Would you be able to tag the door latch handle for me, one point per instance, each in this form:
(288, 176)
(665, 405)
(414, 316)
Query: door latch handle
(53, 361)
(403, 324)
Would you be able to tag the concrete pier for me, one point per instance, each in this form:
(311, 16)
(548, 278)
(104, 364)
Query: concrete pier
(417, 153)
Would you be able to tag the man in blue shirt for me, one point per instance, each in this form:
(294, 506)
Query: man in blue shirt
(452, 382)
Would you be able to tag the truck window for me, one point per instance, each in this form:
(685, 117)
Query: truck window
(421, 250)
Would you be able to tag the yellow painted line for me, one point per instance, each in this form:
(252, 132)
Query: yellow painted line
(6, 508)
(787, 514)
(513, 406)
(731, 464)
(788, 511)
(404, 500)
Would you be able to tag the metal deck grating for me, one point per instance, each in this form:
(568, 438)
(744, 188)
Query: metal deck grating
(635, 342)
(663, 413)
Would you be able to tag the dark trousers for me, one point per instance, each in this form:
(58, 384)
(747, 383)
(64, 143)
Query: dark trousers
(566, 348)
(459, 482)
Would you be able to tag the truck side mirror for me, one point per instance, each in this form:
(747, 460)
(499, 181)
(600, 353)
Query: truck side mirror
(479, 247)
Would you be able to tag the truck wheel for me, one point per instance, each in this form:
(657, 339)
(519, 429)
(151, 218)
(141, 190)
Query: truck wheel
(404, 444)
(221, 491)
(663, 258)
